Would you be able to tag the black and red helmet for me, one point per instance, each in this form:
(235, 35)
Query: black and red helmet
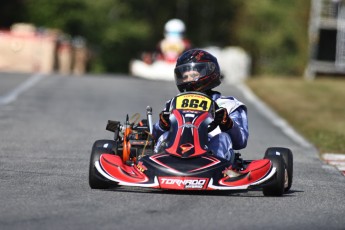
(205, 68)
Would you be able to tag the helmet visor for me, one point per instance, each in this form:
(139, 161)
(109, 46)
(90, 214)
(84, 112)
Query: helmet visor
(193, 71)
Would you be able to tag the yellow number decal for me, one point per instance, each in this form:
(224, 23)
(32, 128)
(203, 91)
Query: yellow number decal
(193, 102)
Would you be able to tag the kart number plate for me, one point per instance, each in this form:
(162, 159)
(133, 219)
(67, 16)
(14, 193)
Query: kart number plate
(193, 102)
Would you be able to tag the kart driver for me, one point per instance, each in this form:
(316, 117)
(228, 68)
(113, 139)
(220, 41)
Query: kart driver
(174, 42)
(198, 70)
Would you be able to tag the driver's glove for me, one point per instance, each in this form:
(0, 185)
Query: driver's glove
(223, 120)
(164, 121)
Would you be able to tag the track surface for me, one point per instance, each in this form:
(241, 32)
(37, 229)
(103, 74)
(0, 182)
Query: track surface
(46, 136)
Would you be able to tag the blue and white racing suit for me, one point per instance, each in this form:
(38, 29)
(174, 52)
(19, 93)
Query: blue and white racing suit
(222, 144)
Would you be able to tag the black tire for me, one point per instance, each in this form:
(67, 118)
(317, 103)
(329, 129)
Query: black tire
(276, 186)
(110, 145)
(96, 180)
(288, 160)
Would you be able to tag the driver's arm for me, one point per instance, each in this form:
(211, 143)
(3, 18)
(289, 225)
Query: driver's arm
(157, 129)
(239, 132)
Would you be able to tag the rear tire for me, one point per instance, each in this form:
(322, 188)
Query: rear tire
(276, 187)
(96, 180)
(288, 160)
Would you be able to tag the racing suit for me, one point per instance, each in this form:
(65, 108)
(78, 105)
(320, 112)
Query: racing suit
(222, 144)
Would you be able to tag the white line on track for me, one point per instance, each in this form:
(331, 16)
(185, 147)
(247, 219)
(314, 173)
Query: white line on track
(273, 117)
(12, 95)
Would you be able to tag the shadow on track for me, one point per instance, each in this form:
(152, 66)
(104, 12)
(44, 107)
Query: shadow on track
(236, 193)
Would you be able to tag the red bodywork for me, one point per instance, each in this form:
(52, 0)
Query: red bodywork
(135, 175)
(185, 164)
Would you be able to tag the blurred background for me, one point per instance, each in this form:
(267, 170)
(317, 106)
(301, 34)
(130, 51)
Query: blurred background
(77, 36)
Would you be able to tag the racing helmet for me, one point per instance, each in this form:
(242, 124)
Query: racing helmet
(174, 28)
(197, 70)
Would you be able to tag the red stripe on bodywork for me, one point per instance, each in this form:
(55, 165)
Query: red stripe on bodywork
(155, 159)
(214, 162)
(198, 149)
(173, 149)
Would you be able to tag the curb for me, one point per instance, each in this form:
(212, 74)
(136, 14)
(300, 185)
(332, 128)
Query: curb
(335, 159)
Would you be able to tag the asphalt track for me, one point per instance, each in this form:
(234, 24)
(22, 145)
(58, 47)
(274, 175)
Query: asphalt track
(46, 133)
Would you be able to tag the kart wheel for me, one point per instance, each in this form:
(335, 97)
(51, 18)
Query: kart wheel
(276, 187)
(96, 180)
(288, 160)
(109, 145)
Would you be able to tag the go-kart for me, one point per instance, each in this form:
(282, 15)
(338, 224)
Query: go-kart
(183, 161)
(157, 70)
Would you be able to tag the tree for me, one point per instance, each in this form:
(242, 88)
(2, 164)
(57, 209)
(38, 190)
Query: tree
(275, 34)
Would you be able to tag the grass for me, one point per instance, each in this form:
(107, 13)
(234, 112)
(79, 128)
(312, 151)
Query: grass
(316, 109)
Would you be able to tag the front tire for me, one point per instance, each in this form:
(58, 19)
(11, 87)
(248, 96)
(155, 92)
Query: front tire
(96, 180)
(288, 160)
(109, 145)
(276, 187)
